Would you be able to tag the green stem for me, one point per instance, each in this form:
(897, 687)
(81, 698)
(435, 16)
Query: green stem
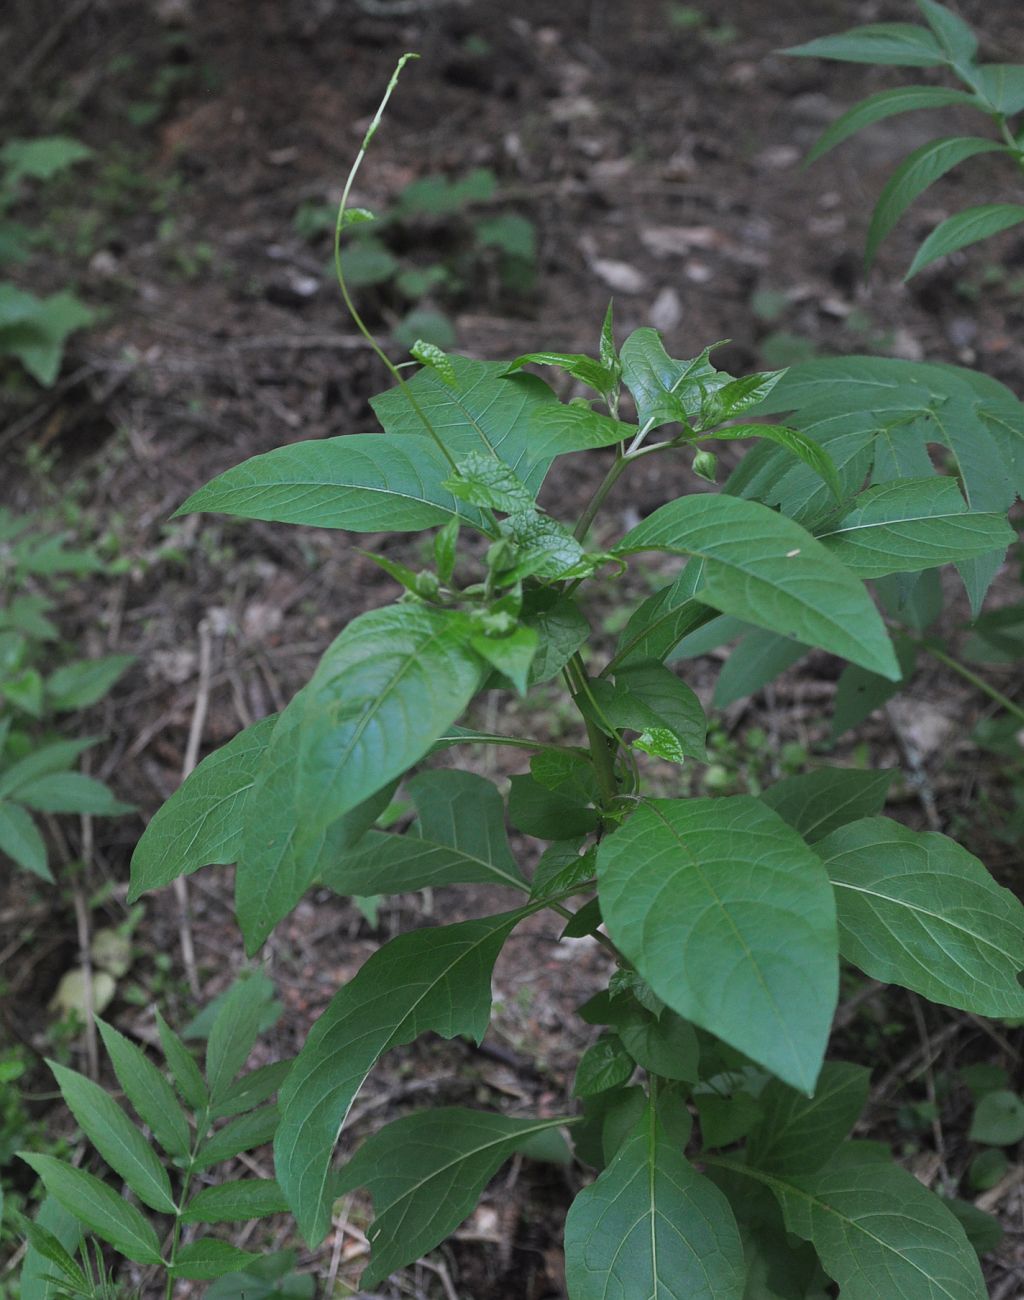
(202, 1124)
(601, 748)
(597, 500)
(1002, 700)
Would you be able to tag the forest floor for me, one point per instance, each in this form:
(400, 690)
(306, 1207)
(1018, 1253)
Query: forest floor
(656, 149)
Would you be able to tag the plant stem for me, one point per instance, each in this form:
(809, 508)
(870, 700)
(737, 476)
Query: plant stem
(601, 750)
(597, 500)
(1002, 700)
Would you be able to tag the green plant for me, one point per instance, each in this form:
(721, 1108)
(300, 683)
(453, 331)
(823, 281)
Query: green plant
(423, 255)
(185, 1121)
(995, 89)
(33, 330)
(36, 684)
(717, 1129)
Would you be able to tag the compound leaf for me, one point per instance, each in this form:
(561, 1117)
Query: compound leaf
(208, 1258)
(245, 1198)
(148, 1091)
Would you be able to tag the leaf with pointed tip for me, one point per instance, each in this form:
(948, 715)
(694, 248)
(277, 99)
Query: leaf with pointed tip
(186, 1074)
(233, 1034)
(793, 440)
(148, 1091)
(874, 1225)
(954, 35)
(920, 169)
(917, 909)
(724, 910)
(595, 374)
(461, 840)
(769, 571)
(649, 698)
(910, 525)
(488, 412)
(860, 693)
(34, 1280)
(887, 103)
(362, 482)
(559, 430)
(900, 45)
(22, 841)
(436, 979)
(208, 1258)
(652, 1226)
(658, 624)
(426, 1172)
(817, 803)
(201, 823)
(99, 1207)
(999, 85)
(666, 391)
(795, 1134)
(244, 1198)
(243, 1134)
(252, 1089)
(116, 1138)
(758, 658)
(964, 229)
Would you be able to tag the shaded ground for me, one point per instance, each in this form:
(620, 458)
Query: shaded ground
(659, 162)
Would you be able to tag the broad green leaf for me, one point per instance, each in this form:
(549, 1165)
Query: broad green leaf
(998, 1119)
(460, 840)
(666, 391)
(426, 1172)
(758, 658)
(917, 909)
(658, 624)
(486, 481)
(252, 1089)
(383, 692)
(605, 1064)
(36, 1271)
(561, 867)
(607, 1120)
(548, 814)
(964, 229)
(724, 1120)
(116, 1138)
(201, 823)
(997, 636)
(246, 1198)
(512, 655)
(797, 1134)
(565, 428)
(915, 524)
(649, 698)
(71, 792)
(437, 979)
(809, 451)
(488, 412)
(877, 1230)
(920, 170)
(999, 85)
(954, 35)
(42, 158)
(901, 45)
(21, 840)
(887, 103)
(209, 1258)
(984, 1231)
(99, 1207)
(915, 599)
(860, 692)
(545, 548)
(243, 1134)
(652, 1226)
(183, 1067)
(723, 910)
(148, 1091)
(233, 1035)
(561, 629)
(769, 571)
(77, 685)
(818, 803)
(362, 482)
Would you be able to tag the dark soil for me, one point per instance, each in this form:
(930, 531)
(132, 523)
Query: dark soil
(661, 165)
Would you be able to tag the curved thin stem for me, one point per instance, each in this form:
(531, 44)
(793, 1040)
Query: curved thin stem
(966, 673)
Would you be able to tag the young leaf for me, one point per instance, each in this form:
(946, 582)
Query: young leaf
(246, 1198)
(809, 451)
(511, 654)
(182, 1064)
(769, 571)
(233, 1034)
(666, 391)
(901, 45)
(963, 229)
(910, 525)
(116, 1138)
(561, 629)
(49, 1247)
(652, 1226)
(148, 1091)
(917, 909)
(797, 1134)
(99, 1207)
(20, 839)
(559, 430)
(487, 481)
(209, 1258)
(649, 698)
(722, 909)
(913, 176)
(488, 413)
(461, 840)
(869, 1220)
(887, 103)
(436, 979)
(362, 482)
(242, 1134)
(663, 1044)
(818, 803)
(658, 624)
(201, 824)
(593, 373)
(605, 1064)
(426, 1172)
